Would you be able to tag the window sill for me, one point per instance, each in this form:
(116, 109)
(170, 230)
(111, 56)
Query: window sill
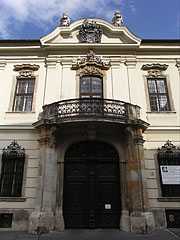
(12, 199)
(13, 112)
(161, 112)
(169, 199)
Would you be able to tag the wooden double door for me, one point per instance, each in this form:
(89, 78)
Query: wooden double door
(91, 186)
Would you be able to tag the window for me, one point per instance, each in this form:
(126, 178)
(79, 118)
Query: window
(24, 94)
(169, 170)
(91, 87)
(12, 169)
(158, 94)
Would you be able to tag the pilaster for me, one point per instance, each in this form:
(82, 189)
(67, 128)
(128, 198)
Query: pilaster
(42, 219)
(130, 63)
(141, 219)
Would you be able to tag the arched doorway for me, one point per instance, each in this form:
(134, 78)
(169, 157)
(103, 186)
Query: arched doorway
(91, 186)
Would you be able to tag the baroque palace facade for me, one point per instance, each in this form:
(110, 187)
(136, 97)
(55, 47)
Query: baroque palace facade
(89, 130)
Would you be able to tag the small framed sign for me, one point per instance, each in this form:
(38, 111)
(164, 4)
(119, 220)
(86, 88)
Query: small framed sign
(108, 206)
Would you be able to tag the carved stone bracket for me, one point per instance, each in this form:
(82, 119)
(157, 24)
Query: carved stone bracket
(90, 32)
(26, 70)
(90, 65)
(47, 137)
(155, 69)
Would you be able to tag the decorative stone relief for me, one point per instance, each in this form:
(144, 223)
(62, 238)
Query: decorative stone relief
(91, 58)
(117, 19)
(65, 20)
(155, 69)
(90, 70)
(90, 65)
(26, 70)
(90, 32)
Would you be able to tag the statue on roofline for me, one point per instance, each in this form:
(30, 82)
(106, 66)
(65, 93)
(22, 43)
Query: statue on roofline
(65, 20)
(117, 19)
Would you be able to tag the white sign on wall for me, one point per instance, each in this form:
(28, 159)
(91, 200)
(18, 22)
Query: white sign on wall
(170, 174)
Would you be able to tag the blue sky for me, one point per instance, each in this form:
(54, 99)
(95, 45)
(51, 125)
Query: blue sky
(32, 19)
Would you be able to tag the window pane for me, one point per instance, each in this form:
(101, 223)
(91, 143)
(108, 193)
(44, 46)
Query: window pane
(18, 105)
(27, 103)
(163, 103)
(96, 85)
(152, 86)
(161, 86)
(85, 85)
(30, 86)
(154, 103)
(21, 86)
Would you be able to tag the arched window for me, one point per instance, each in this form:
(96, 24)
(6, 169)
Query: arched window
(12, 169)
(91, 87)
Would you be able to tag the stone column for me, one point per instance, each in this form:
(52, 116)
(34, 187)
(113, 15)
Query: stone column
(141, 219)
(42, 219)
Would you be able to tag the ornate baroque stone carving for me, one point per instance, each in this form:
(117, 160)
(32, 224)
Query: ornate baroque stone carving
(26, 70)
(90, 70)
(155, 69)
(90, 65)
(90, 32)
(65, 20)
(117, 19)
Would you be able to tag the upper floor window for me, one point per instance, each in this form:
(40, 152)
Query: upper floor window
(12, 170)
(158, 94)
(91, 87)
(24, 94)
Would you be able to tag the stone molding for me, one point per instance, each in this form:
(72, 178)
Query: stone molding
(155, 69)
(26, 70)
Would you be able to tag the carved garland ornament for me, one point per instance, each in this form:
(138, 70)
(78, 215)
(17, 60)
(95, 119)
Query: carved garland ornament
(26, 70)
(155, 69)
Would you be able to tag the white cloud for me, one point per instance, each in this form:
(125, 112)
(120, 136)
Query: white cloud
(15, 13)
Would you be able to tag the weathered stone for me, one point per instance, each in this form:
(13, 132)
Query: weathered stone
(159, 218)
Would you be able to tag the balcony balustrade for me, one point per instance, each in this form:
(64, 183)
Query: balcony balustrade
(91, 107)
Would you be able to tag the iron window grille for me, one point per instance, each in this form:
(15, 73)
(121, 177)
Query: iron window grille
(169, 155)
(158, 94)
(24, 94)
(11, 179)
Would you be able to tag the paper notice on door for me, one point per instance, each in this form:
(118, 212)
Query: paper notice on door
(107, 206)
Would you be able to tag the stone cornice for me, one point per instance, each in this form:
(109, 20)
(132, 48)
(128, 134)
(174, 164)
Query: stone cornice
(156, 66)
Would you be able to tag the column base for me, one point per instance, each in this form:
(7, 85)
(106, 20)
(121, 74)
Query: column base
(41, 222)
(125, 221)
(142, 222)
(59, 221)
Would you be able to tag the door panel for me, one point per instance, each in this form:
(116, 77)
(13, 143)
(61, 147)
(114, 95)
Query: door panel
(91, 186)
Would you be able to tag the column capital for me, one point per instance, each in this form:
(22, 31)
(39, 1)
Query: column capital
(2, 65)
(47, 136)
(178, 64)
(131, 62)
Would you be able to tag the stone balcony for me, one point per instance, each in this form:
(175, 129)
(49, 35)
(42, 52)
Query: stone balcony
(91, 109)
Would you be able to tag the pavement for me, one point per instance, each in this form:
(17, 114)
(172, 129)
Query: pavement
(98, 234)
